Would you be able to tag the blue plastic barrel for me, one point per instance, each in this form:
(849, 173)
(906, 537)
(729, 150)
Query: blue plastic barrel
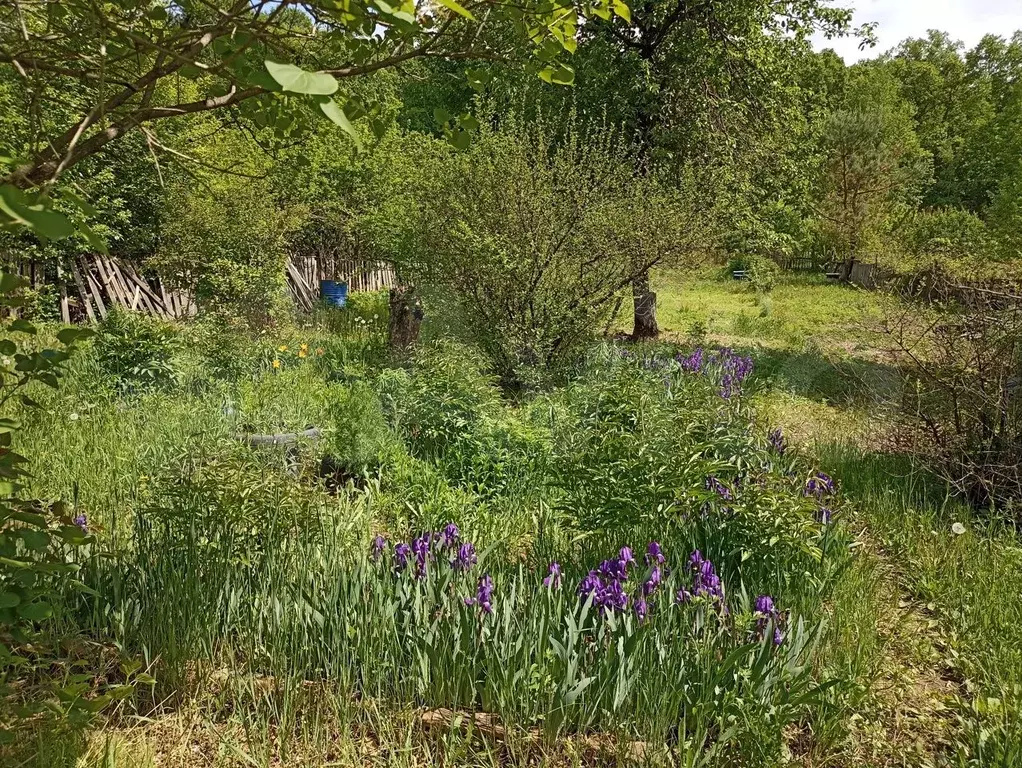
(334, 292)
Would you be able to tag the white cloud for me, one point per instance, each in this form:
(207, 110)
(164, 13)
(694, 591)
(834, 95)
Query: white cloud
(965, 20)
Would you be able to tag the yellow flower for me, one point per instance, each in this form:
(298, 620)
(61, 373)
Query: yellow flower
(303, 348)
(282, 348)
(276, 363)
(302, 353)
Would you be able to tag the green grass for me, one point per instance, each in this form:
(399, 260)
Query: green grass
(240, 578)
(932, 618)
(798, 312)
(969, 583)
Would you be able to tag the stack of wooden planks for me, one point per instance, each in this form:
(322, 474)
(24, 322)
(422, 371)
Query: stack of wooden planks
(90, 285)
(103, 282)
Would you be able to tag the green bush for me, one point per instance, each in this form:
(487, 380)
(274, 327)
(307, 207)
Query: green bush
(223, 350)
(360, 439)
(41, 546)
(533, 231)
(662, 443)
(760, 271)
(136, 351)
(450, 413)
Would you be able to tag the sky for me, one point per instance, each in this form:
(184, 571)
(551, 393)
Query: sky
(965, 20)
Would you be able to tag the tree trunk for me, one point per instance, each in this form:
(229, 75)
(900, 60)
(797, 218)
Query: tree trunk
(644, 301)
(405, 318)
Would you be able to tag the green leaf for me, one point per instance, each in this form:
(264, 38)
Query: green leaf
(442, 116)
(29, 518)
(379, 127)
(24, 326)
(460, 139)
(389, 10)
(296, 80)
(97, 242)
(33, 215)
(9, 282)
(9, 600)
(37, 611)
(263, 79)
(9, 425)
(336, 115)
(7, 347)
(478, 79)
(71, 335)
(621, 9)
(458, 9)
(79, 202)
(37, 541)
(120, 691)
(559, 75)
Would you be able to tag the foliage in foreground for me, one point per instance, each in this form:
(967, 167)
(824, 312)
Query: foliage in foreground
(221, 558)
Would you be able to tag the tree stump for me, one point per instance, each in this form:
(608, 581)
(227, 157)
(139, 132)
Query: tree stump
(644, 302)
(405, 318)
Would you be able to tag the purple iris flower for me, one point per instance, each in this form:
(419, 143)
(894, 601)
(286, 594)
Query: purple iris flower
(82, 522)
(715, 485)
(653, 582)
(777, 441)
(766, 611)
(420, 547)
(590, 584)
(694, 362)
(819, 485)
(654, 554)
(401, 554)
(553, 579)
(484, 595)
(641, 609)
(705, 581)
(449, 536)
(466, 557)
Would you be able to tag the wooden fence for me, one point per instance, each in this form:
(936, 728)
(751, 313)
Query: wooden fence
(812, 263)
(90, 286)
(305, 272)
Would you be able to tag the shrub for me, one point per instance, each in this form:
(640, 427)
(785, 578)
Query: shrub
(961, 409)
(225, 352)
(226, 242)
(450, 413)
(955, 239)
(360, 439)
(664, 443)
(40, 546)
(535, 233)
(760, 272)
(136, 351)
